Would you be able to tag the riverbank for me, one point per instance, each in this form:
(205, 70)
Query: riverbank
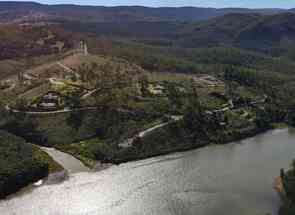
(97, 154)
(285, 187)
(165, 138)
(279, 186)
(58, 161)
(60, 167)
(165, 141)
(180, 182)
(173, 138)
(22, 164)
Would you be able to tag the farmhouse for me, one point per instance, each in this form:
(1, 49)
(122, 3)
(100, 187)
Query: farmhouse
(50, 101)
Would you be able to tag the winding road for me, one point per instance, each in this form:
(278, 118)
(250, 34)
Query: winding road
(65, 110)
(128, 143)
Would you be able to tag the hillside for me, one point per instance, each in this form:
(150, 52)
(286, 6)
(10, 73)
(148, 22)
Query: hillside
(267, 30)
(32, 40)
(216, 31)
(247, 31)
(274, 34)
(275, 31)
(20, 11)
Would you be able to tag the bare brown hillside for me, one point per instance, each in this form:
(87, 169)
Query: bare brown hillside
(32, 40)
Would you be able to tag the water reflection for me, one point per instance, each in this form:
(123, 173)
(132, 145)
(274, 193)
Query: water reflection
(225, 180)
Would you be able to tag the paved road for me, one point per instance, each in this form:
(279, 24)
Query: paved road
(90, 93)
(65, 110)
(128, 143)
(65, 67)
(10, 88)
(55, 81)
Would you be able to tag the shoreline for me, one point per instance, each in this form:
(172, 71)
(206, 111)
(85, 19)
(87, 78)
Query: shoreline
(99, 165)
(190, 147)
(51, 179)
(61, 176)
(279, 187)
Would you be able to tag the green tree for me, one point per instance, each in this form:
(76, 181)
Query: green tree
(21, 104)
(144, 85)
(263, 119)
(194, 115)
(175, 98)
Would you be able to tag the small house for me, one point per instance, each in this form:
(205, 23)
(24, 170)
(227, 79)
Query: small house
(50, 101)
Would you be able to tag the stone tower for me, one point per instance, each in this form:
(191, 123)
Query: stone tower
(83, 48)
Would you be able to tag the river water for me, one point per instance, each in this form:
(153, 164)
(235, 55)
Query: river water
(69, 163)
(233, 179)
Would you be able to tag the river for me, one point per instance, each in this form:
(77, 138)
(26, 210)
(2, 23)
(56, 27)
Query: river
(68, 162)
(233, 179)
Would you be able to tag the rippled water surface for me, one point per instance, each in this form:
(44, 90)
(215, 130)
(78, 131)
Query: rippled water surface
(234, 179)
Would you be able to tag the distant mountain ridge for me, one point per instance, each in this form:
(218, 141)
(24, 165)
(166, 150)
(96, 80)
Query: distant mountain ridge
(266, 30)
(11, 11)
(248, 31)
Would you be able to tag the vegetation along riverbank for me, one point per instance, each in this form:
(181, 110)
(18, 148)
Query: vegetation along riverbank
(287, 191)
(21, 164)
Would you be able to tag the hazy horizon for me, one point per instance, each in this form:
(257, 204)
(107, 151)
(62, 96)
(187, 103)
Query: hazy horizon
(253, 4)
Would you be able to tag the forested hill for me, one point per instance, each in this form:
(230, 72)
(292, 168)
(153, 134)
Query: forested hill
(19, 11)
(251, 31)
(273, 34)
(278, 30)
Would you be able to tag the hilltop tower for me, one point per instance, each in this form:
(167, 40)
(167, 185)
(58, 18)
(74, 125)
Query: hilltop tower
(83, 48)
